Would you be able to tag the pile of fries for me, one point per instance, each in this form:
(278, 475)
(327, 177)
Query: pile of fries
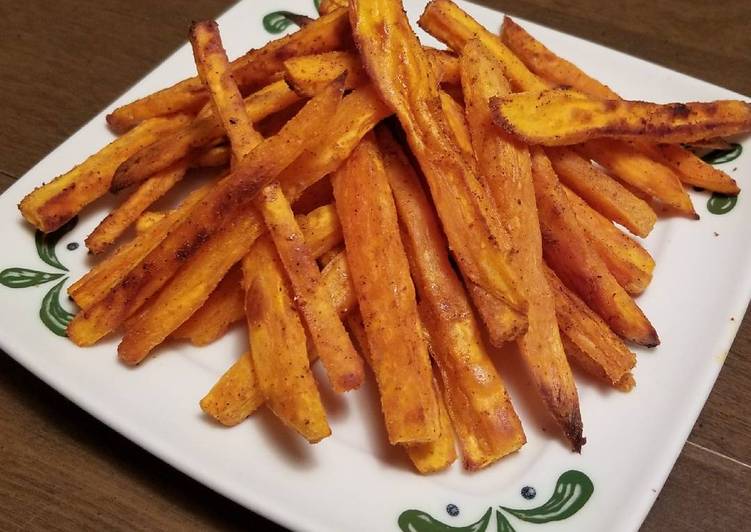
(380, 203)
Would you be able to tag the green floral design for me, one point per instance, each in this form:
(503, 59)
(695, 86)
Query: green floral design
(278, 21)
(720, 203)
(572, 491)
(51, 312)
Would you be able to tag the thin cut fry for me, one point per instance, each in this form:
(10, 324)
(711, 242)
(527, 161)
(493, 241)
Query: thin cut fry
(505, 166)
(203, 131)
(630, 263)
(634, 167)
(587, 338)
(118, 221)
(48, 207)
(236, 395)
(147, 220)
(278, 345)
(400, 69)
(250, 71)
(690, 168)
(386, 297)
(578, 265)
(484, 418)
(603, 193)
(338, 283)
(447, 22)
(343, 365)
(226, 201)
(561, 117)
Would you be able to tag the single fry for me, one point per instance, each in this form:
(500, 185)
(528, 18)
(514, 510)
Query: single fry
(118, 221)
(226, 201)
(588, 340)
(634, 167)
(147, 220)
(250, 71)
(561, 117)
(308, 74)
(603, 193)
(402, 73)
(236, 395)
(51, 205)
(201, 132)
(336, 279)
(103, 277)
(458, 126)
(690, 168)
(386, 296)
(278, 345)
(505, 166)
(569, 254)
(630, 263)
(482, 414)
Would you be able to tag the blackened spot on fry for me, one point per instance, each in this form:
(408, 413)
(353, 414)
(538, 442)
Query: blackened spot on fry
(680, 110)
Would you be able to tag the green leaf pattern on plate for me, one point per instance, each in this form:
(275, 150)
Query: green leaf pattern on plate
(572, 491)
(52, 313)
(277, 22)
(723, 156)
(720, 203)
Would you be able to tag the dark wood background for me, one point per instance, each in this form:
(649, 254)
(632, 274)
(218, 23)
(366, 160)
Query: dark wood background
(61, 62)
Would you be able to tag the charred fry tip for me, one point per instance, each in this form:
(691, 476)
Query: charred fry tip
(573, 430)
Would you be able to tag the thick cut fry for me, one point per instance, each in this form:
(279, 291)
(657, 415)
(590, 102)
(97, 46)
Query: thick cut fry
(343, 365)
(278, 345)
(603, 193)
(578, 265)
(224, 307)
(587, 338)
(401, 70)
(97, 283)
(48, 207)
(236, 395)
(504, 165)
(428, 457)
(561, 117)
(250, 71)
(386, 295)
(118, 221)
(447, 22)
(358, 113)
(484, 418)
(309, 74)
(226, 201)
(629, 164)
(690, 168)
(203, 131)
(630, 263)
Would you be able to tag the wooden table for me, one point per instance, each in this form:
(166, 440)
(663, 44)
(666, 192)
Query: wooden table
(62, 62)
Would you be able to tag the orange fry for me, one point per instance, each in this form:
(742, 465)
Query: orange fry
(402, 72)
(505, 166)
(236, 395)
(482, 414)
(386, 295)
(690, 168)
(250, 71)
(51, 205)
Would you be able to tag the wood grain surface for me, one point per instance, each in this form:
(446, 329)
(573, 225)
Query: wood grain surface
(62, 62)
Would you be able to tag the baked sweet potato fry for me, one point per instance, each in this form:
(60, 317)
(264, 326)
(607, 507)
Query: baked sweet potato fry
(278, 345)
(327, 6)
(690, 168)
(454, 113)
(449, 24)
(630, 263)
(603, 193)
(188, 290)
(147, 220)
(338, 284)
(308, 74)
(569, 254)
(402, 73)
(117, 222)
(561, 117)
(588, 340)
(51, 205)
(428, 457)
(228, 200)
(482, 414)
(505, 166)
(386, 296)
(250, 71)
(202, 131)
(632, 166)
(103, 277)
(236, 394)
(343, 365)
